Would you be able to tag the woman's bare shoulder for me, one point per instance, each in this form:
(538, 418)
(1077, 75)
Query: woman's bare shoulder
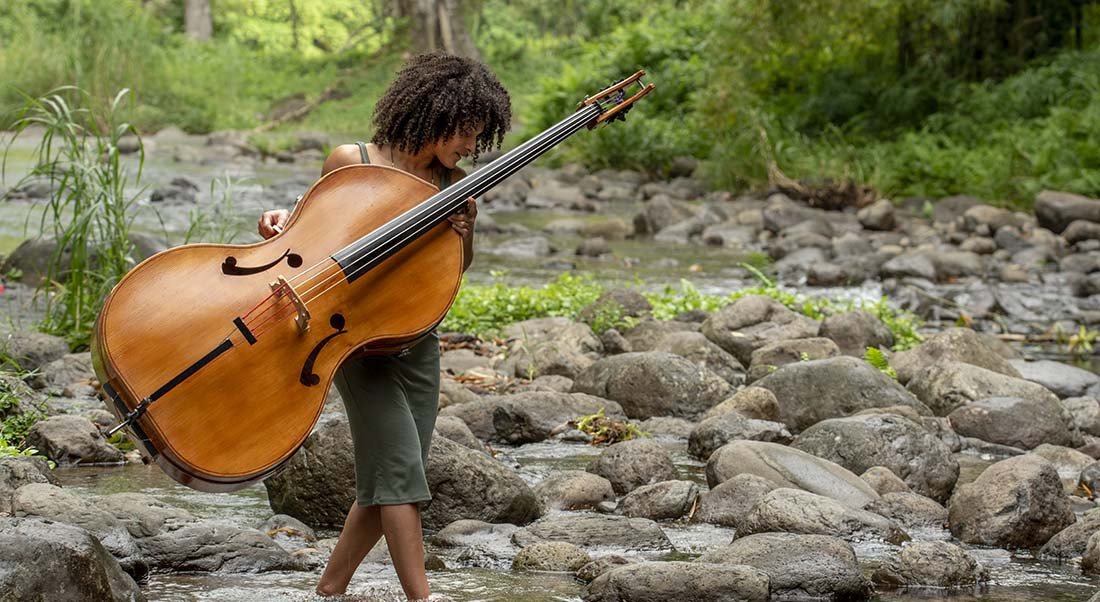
(345, 154)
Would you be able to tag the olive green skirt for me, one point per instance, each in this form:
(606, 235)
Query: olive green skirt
(391, 403)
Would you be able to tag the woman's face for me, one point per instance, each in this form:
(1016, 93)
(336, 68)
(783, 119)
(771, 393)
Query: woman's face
(449, 151)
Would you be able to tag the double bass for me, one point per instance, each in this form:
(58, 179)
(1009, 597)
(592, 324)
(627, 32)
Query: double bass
(217, 358)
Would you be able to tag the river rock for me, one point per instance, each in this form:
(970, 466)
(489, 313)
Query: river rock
(469, 484)
(883, 480)
(455, 429)
(696, 348)
(1056, 210)
(32, 350)
(877, 216)
(1090, 561)
(946, 386)
(857, 443)
(854, 331)
(64, 371)
(645, 335)
(666, 426)
(1067, 461)
(809, 392)
(930, 564)
(770, 357)
(530, 417)
(730, 503)
(1014, 421)
(660, 212)
(668, 500)
(754, 321)
(1080, 230)
(1062, 379)
(798, 566)
(573, 490)
(71, 440)
(788, 467)
(653, 383)
(1084, 413)
(601, 565)
(911, 510)
(318, 484)
(796, 511)
(44, 560)
(713, 433)
(593, 531)
(558, 556)
(676, 580)
(451, 393)
(953, 345)
(549, 346)
(288, 532)
(910, 265)
(143, 515)
(624, 302)
(750, 402)
(631, 464)
(1072, 541)
(217, 546)
(1016, 503)
(16, 472)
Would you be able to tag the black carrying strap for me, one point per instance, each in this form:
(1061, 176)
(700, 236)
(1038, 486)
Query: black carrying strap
(363, 152)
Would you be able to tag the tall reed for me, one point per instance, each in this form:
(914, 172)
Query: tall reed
(87, 214)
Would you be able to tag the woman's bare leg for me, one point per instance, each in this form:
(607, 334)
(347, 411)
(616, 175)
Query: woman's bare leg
(362, 529)
(405, 538)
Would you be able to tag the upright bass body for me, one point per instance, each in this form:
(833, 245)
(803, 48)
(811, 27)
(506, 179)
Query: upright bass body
(221, 356)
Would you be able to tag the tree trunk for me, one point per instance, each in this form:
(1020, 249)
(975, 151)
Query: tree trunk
(436, 25)
(197, 21)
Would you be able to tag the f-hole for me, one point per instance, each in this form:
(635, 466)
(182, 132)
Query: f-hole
(308, 378)
(230, 267)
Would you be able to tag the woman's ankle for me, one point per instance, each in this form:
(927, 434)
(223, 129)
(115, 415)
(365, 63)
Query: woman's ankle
(329, 590)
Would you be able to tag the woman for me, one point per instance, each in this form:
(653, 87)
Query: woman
(440, 109)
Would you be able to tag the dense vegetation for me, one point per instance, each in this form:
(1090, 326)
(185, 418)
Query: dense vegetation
(916, 97)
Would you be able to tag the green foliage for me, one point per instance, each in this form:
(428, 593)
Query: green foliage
(903, 324)
(878, 359)
(225, 223)
(88, 210)
(610, 315)
(122, 442)
(484, 309)
(1081, 342)
(606, 430)
(671, 302)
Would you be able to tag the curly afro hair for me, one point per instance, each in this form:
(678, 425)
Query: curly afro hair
(438, 95)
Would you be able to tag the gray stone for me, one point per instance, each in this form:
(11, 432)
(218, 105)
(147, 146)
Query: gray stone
(631, 464)
(667, 500)
(1067, 461)
(64, 371)
(809, 392)
(1013, 421)
(453, 428)
(558, 556)
(1090, 561)
(599, 566)
(1072, 541)
(930, 564)
(750, 402)
(217, 546)
(32, 350)
(528, 247)
(71, 440)
(44, 560)
(318, 484)
(653, 383)
(594, 531)
(713, 433)
(1057, 210)
(1080, 231)
(788, 467)
(854, 331)
(666, 426)
(911, 510)
(897, 443)
(730, 503)
(16, 472)
(883, 480)
(770, 357)
(951, 345)
(910, 265)
(533, 416)
(645, 335)
(947, 385)
(1084, 414)
(1016, 503)
(143, 515)
(664, 581)
(573, 490)
(1062, 379)
(798, 566)
(877, 216)
(549, 346)
(696, 348)
(797, 511)
(754, 321)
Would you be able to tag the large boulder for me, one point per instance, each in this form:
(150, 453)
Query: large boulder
(817, 566)
(945, 386)
(795, 511)
(550, 346)
(531, 416)
(317, 486)
(631, 464)
(730, 503)
(653, 383)
(788, 467)
(573, 490)
(1072, 541)
(469, 484)
(715, 432)
(1056, 210)
(930, 564)
(911, 510)
(809, 392)
(1018, 422)
(668, 500)
(854, 331)
(754, 321)
(1016, 503)
(43, 560)
(1062, 379)
(905, 447)
(770, 357)
(696, 348)
(72, 440)
(595, 531)
(750, 402)
(217, 546)
(664, 581)
(16, 472)
(952, 346)
(557, 556)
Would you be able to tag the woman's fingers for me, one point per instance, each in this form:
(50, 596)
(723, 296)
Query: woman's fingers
(272, 222)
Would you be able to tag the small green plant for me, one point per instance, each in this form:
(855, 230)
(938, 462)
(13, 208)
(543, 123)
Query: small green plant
(226, 222)
(927, 210)
(878, 359)
(1081, 342)
(671, 302)
(803, 357)
(610, 315)
(607, 430)
(121, 441)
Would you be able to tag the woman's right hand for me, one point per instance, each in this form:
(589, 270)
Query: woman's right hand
(272, 222)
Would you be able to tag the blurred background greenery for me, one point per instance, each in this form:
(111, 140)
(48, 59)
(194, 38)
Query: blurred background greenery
(995, 98)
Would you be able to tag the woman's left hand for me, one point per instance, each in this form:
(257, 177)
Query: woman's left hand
(463, 223)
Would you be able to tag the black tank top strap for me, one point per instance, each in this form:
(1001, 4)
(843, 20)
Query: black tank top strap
(363, 152)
